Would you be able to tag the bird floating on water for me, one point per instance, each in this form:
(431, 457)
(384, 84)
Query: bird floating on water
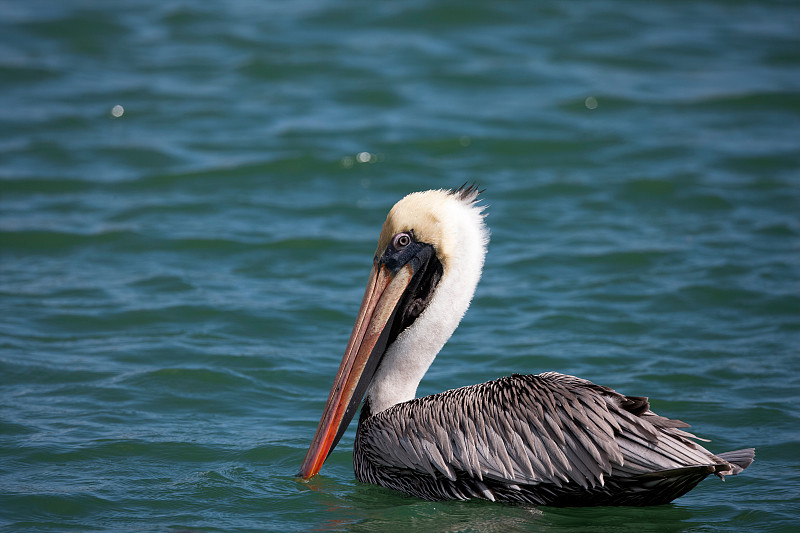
(546, 439)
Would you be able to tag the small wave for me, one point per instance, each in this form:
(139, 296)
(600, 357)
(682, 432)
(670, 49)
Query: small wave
(52, 240)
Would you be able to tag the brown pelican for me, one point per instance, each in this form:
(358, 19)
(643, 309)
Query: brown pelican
(547, 439)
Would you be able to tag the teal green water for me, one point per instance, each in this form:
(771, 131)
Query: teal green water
(178, 282)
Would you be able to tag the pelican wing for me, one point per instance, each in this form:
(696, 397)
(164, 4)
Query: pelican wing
(547, 428)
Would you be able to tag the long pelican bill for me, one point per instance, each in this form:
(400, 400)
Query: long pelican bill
(366, 346)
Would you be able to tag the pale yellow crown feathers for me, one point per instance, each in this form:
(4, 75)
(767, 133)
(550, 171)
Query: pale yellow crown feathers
(435, 217)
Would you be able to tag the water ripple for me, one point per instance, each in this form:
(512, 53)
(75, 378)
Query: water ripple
(178, 280)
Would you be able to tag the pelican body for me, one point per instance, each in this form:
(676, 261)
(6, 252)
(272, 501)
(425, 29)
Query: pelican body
(546, 439)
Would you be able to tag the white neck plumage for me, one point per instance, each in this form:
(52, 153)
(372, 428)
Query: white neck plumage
(461, 250)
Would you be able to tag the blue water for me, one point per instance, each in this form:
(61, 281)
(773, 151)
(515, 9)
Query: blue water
(179, 274)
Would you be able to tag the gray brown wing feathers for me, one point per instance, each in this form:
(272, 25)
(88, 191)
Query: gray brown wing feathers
(547, 429)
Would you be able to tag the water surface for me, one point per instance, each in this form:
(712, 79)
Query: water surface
(179, 275)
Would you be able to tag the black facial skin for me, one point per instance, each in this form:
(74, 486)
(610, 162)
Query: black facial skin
(400, 251)
(405, 249)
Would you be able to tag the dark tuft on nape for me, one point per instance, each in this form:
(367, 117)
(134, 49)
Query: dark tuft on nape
(467, 192)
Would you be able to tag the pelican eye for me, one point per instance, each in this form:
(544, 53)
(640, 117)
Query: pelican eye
(401, 240)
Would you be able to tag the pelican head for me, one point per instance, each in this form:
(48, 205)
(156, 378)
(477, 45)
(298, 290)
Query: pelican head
(424, 273)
